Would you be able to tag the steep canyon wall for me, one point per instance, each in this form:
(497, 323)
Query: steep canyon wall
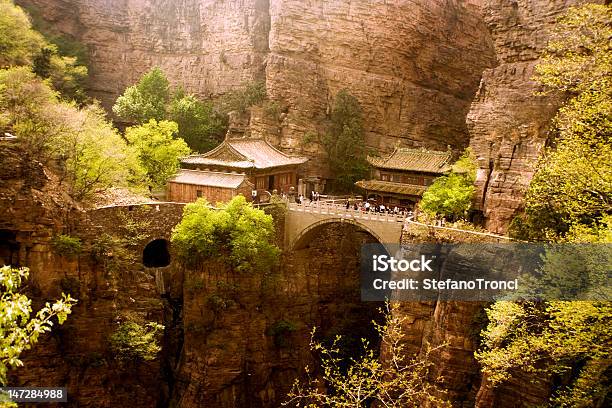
(414, 66)
(508, 122)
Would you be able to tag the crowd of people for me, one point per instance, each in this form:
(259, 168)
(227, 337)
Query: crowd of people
(366, 206)
(361, 206)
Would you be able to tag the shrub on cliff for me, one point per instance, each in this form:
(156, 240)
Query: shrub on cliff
(236, 232)
(67, 246)
(136, 341)
(19, 330)
(345, 142)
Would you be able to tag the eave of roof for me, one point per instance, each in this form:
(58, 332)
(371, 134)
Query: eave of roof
(209, 178)
(427, 161)
(391, 187)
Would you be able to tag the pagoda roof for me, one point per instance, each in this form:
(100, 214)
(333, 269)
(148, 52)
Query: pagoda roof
(209, 178)
(245, 153)
(419, 160)
(391, 187)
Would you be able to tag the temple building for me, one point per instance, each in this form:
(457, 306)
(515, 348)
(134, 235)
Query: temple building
(248, 166)
(401, 178)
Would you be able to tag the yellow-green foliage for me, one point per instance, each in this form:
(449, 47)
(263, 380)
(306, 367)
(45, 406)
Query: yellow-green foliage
(398, 382)
(19, 330)
(235, 232)
(91, 154)
(569, 200)
(551, 338)
(451, 195)
(19, 43)
(135, 341)
(146, 100)
(573, 182)
(158, 149)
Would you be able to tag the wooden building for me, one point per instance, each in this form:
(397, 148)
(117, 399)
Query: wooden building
(402, 177)
(231, 167)
(189, 185)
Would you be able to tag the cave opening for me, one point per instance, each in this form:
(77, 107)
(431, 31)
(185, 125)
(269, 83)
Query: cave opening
(156, 254)
(9, 248)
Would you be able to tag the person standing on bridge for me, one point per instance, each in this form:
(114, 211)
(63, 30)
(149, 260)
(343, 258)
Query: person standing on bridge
(348, 204)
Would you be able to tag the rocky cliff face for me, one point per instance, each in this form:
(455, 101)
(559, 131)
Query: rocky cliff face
(508, 122)
(208, 46)
(414, 66)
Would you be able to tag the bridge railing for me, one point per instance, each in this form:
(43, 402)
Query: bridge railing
(332, 209)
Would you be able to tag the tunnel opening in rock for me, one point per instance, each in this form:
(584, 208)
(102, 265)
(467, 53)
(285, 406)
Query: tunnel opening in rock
(156, 254)
(9, 248)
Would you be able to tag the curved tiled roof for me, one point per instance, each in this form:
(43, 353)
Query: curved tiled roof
(427, 161)
(245, 153)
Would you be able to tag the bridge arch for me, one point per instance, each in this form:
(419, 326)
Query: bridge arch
(305, 235)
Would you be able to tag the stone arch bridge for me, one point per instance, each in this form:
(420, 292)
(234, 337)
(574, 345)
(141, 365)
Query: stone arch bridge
(300, 220)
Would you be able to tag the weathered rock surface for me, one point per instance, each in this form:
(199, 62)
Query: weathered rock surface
(508, 122)
(209, 46)
(414, 66)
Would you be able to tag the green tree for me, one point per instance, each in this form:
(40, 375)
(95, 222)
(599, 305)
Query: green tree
(573, 181)
(95, 156)
(398, 382)
(19, 43)
(238, 233)
(65, 73)
(198, 122)
(345, 142)
(451, 195)
(79, 143)
(158, 150)
(146, 100)
(242, 98)
(19, 330)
